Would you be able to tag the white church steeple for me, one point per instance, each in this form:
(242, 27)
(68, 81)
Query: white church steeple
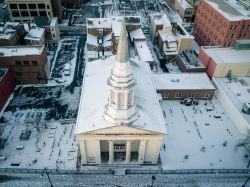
(120, 107)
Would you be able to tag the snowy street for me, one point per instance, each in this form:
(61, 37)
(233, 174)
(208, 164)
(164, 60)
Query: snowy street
(188, 180)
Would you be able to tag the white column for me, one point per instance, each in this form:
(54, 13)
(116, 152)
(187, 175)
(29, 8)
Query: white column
(142, 150)
(117, 100)
(126, 100)
(128, 151)
(111, 152)
(83, 152)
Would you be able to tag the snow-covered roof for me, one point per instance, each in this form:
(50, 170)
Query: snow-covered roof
(143, 51)
(91, 109)
(35, 34)
(21, 50)
(53, 22)
(182, 81)
(116, 26)
(94, 54)
(166, 36)
(184, 4)
(238, 91)
(228, 55)
(99, 22)
(161, 19)
(92, 40)
(136, 34)
(230, 9)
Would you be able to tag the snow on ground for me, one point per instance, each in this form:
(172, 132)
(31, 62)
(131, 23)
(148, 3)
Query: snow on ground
(66, 58)
(198, 140)
(172, 67)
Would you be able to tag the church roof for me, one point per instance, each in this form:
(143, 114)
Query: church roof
(95, 94)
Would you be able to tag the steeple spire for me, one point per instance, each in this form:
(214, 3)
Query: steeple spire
(122, 55)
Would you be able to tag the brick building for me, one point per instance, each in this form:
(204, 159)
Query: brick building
(220, 62)
(11, 34)
(176, 86)
(28, 63)
(188, 61)
(26, 10)
(221, 23)
(7, 85)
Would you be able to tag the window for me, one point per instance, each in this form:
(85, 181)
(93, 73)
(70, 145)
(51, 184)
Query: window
(42, 6)
(232, 35)
(22, 6)
(235, 27)
(164, 95)
(178, 95)
(24, 13)
(18, 63)
(240, 35)
(15, 14)
(33, 13)
(248, 27)
(191, 95)
(32, 6)
(244, 35)
(42, 13)
(222, 33)
(231, 27)
(18, 73)
(243, 26)
(228, 45)
(34, 62)
(48, 7)
(205, 95)
(26, 62)
(13, 6)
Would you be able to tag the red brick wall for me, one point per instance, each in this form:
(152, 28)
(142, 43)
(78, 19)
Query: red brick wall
(7, 85)
(212, 28)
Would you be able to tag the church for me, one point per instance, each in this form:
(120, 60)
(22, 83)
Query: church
(120, 120)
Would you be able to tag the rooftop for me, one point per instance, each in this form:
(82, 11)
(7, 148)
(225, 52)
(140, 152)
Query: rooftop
(91, 109)
(238, 90)
(184, 3)
(136, 34)
(228, 55)
(20, 51)
(231, 9)
(143, 51)
(35, 34)
(190, 59)
(182, 81)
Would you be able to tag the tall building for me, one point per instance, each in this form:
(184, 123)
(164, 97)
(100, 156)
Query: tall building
(221, 22)
(184, 9)
(28, 63)
(26, 10)
(124, 124)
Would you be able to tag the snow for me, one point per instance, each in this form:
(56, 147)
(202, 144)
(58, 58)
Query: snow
(53, 22)
(92, 40)
(99, 23)
(184, 4)
(194, 133)
(143, 51)
(21, 50)
(182, 81)
(228, 55)
(136, 34)
(64, 79)
(231, 9)
(91, 109)
(116, 26)
(239, 93)
(35, 34)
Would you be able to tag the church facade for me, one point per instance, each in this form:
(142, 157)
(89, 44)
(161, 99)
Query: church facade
(119, 119)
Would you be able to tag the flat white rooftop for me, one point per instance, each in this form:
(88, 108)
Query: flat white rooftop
(21, 50)
(237, 90)
(182, 81)
(231, 9)
(228, 55)
(137, 34)
(35, 34)
(94, 97)
(143, 51)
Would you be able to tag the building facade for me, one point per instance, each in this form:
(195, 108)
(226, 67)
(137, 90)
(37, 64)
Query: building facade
(28, 63)
(221, 23)
(116, 130)
(26, 10)
(185, 10)
(7, 85)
